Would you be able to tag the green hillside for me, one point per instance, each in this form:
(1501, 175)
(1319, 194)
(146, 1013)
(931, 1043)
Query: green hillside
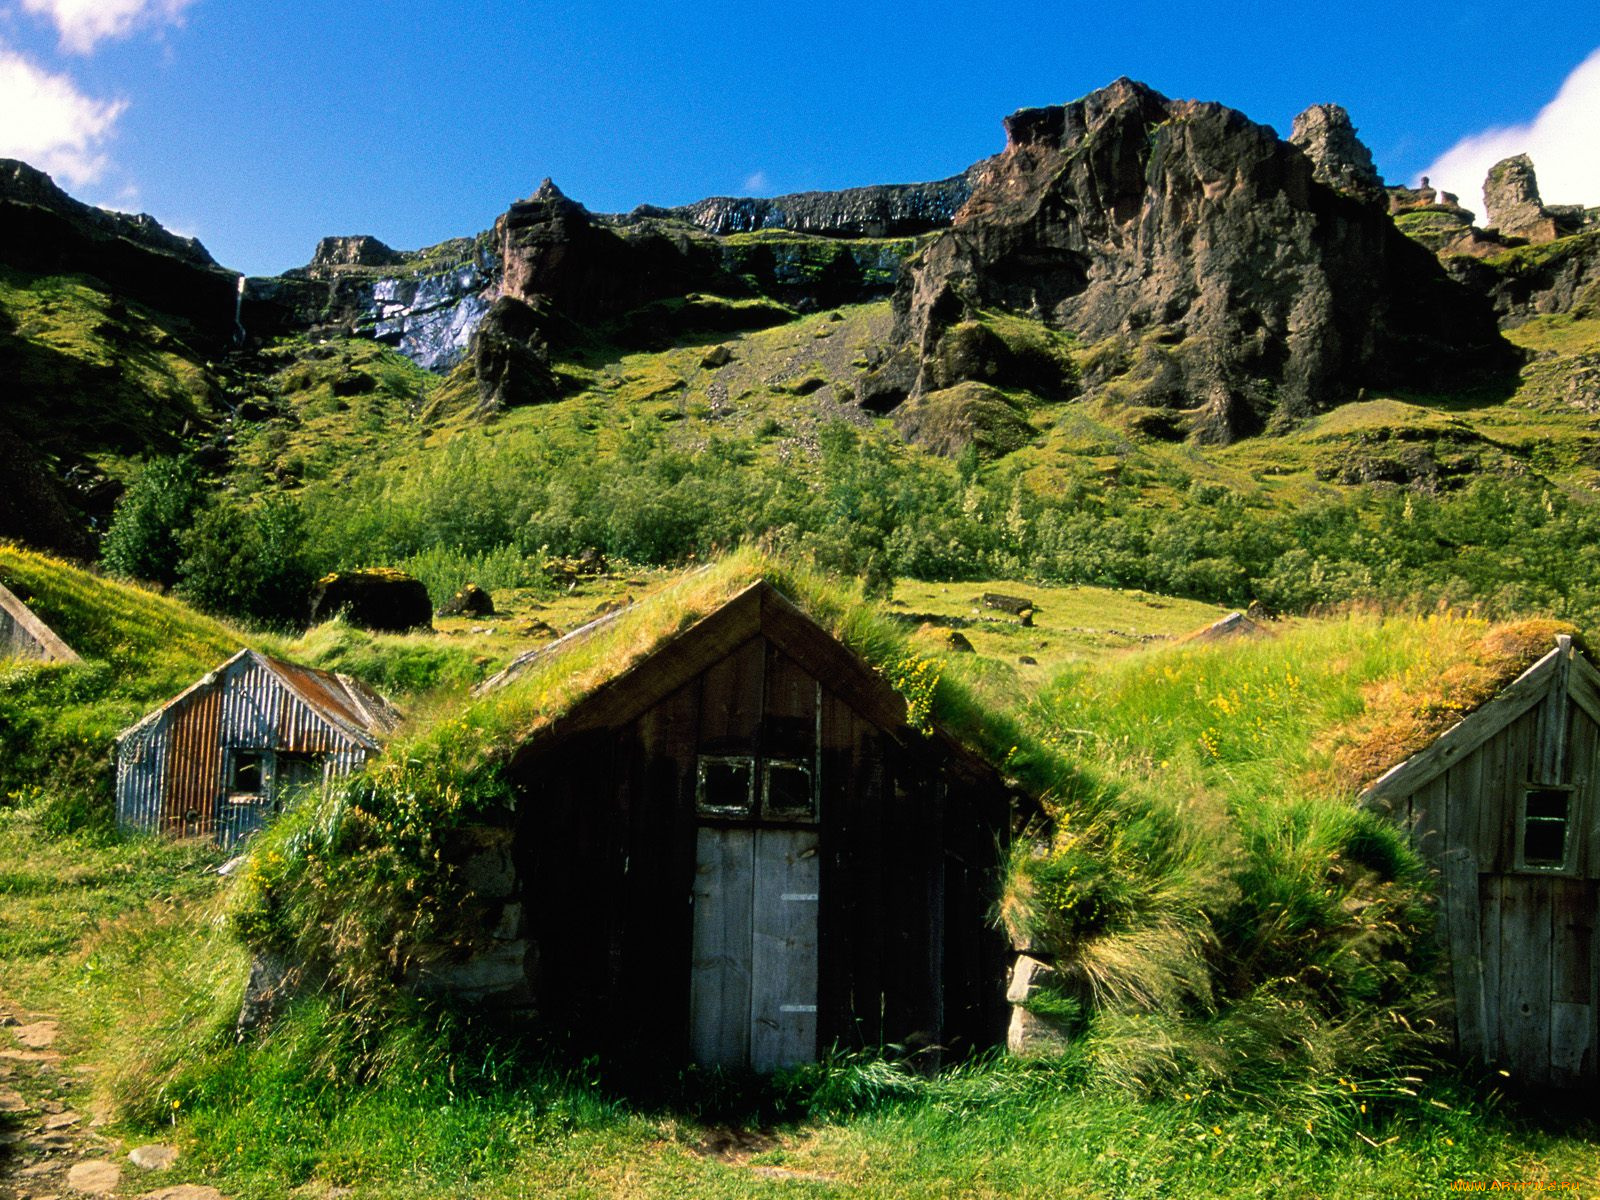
(1258, 950)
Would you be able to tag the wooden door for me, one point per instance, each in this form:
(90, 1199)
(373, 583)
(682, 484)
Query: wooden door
(753, 984)
(1540, 977)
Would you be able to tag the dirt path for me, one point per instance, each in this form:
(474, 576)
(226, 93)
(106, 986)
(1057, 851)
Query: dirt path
(50, 1144)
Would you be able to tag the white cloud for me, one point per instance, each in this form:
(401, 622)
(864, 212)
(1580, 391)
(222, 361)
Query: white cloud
(47, 122)
(754, 183)
(1563, 141)
(83, 24)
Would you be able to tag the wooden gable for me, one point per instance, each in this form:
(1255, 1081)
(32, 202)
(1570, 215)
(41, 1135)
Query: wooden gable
(1506, 806)
(757, 934)
(24, 635)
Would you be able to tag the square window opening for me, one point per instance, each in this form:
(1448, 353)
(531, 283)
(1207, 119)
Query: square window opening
(1546, 816)
(247, 773)
(726, 786)
(788, 793)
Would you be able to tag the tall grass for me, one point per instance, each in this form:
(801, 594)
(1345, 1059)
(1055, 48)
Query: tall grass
(1238, 923)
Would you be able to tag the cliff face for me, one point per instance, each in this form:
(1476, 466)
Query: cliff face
(1233, 288)
(882, 211)
(47, 232)
(425, 303)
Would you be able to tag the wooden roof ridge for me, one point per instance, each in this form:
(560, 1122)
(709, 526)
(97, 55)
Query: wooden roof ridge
(47, 638)
(760, 609)
(1562, 669)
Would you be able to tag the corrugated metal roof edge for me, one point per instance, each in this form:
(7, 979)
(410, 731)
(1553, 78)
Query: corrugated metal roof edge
(361, 697)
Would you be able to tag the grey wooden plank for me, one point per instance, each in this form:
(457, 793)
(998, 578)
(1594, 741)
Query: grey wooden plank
(1550, 756)
(1489, 964)
(1430, 809)
(1581, 755)
(731, 700)
(1572, 980)
(1583, 685)
(1572, 1052)
(1464, 788)
(1460, 900)
(1525, 978)
(783, 1006)
(719, 977)
(1494, 799)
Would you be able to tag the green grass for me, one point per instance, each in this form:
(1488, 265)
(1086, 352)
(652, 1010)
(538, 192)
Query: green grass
(91, 376)
(119, 941)
(1239, 743)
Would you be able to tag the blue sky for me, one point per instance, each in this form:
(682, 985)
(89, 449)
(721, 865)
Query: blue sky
(260, 127)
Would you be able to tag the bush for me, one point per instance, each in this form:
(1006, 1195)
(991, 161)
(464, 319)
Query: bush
(142, 541)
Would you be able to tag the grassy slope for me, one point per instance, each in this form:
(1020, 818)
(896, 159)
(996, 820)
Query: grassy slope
(95, 930)
(92, 376)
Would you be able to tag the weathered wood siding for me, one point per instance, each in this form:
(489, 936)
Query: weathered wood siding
(1523, 943)
(24, 635)
(907, 868)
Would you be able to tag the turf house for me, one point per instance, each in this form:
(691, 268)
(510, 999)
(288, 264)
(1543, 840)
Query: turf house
(702, 826)
(1506, 806)
(222, 757)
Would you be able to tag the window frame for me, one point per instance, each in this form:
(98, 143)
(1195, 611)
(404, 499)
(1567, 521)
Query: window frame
(263, 791)
(757, 810)
(1568, 865)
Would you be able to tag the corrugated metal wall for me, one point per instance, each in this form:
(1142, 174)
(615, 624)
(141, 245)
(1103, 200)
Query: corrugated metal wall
(171, 769)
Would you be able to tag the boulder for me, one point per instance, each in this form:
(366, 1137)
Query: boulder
(511, 359)
(379, 598)
(947, 422)
(470, 601)
(1015, 605)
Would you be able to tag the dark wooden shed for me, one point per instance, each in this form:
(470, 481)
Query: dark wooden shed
(1506, 804)
(219, 759)
(738, 853)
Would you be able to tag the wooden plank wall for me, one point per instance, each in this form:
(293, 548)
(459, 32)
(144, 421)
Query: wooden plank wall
(607, 844)
(1523, 947)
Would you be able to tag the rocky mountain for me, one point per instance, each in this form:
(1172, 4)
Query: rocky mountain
(1170, 268)
(886, 210)
(45, 231)
(1232, 281)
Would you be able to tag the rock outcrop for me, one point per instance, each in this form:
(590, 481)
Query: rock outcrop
(1326, 136)
(1511, 198)
(1562, 276)
(425, 303)
(45, 231)
(1236, 290)
(884, 210)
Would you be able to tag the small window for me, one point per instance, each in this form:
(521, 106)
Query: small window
(247, 772)
(727, 786)
(1546, 816)
(787, 794)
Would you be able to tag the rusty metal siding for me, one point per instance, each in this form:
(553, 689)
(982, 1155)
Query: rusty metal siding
(192, 773)
(172, 768)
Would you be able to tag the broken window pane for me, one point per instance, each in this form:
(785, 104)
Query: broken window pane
(248, 771)
(1544, 827)
(726, 786)
(789, 795)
